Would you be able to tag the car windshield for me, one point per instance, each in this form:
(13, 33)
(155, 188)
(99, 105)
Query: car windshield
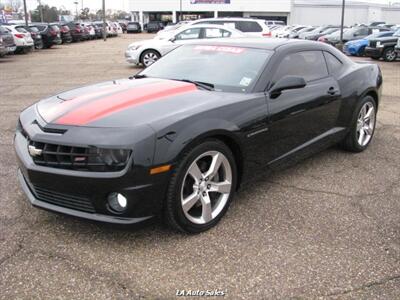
(21, 29)
(227, 68)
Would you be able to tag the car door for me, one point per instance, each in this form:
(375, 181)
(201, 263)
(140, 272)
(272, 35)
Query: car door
(298, 117)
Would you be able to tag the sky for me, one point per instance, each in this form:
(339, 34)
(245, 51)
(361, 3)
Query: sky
(118, 4)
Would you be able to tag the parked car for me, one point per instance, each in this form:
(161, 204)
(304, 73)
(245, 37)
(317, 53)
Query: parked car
(179, 138)
(357, 47)
(383, 47)
(123, 26)
(36, 36)
(153, 27)
(316, 31)
(3, 48)
(50, 34)
(98, 30)
(133, 27)
(22, 39)
(90, 30)
(286, 33)
(355, 33)
(251, 27)
(148, 51)
(315, 36)
(295, 35)
(8, 40)
(65, 31)
(397, 48)
(76, 30)
(109, 28)
(118, 27)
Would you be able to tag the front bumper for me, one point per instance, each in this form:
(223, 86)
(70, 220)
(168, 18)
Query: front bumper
(397, 50)
(373, 52)
(84, 194)
(132, 57)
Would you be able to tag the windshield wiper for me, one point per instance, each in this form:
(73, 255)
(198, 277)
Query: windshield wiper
(138, 76)
(205, 85)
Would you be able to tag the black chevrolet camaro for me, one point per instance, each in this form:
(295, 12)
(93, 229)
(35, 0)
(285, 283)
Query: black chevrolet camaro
(178, 139)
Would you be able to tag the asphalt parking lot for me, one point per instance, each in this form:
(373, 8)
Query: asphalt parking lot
(328, 227)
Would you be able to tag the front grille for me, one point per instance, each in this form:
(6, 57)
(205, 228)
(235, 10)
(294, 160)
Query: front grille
(372, 44)
(78, 158)
(65, 200)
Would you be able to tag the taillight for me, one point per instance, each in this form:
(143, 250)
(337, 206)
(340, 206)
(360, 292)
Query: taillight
(267, 34)
(19, 35)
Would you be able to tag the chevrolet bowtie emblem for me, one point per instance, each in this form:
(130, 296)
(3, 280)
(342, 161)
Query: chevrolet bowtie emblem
(33, 151)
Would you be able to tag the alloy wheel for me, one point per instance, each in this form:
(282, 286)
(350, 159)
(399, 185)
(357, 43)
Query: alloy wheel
(390, 55)
(206, 187)
(365, 124)
(150, 58)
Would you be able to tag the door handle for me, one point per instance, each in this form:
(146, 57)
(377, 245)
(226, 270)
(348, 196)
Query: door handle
(333, 91)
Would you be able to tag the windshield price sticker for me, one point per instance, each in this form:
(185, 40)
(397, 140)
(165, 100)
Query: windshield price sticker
(233, 50)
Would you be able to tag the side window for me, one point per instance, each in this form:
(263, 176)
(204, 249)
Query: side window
(189, 34)
(307, 64)
(334, 64)
(248, 26)
(210, 33)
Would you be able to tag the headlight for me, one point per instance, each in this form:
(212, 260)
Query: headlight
(110, 159)
(133, 47)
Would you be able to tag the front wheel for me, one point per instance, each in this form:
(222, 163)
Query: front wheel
(149, 57)
(389, 54)
(363, 126)
(201, 188)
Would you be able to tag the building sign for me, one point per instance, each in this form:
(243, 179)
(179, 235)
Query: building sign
(210, 1)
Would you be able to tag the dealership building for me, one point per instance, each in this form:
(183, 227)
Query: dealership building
(313, 12)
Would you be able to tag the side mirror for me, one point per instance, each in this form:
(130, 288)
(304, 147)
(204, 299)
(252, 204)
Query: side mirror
(287, 83)
(173, 39)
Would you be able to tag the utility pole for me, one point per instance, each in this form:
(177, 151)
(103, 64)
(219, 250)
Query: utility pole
(40, 11)
(104, 21)
(26, 14)
(342, 24)
(76, 9)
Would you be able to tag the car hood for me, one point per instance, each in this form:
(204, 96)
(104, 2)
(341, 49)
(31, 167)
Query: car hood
(129, 103)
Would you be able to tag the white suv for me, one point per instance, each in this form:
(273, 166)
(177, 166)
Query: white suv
(251, 27)
(22, 38)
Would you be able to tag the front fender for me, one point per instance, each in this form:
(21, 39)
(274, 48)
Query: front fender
(172, 142)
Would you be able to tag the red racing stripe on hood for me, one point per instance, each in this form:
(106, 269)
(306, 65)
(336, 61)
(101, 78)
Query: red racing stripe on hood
(108, 105)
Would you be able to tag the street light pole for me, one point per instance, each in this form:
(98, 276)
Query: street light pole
(104, 21)
(26, 13)
(76, 9)
(342, 23)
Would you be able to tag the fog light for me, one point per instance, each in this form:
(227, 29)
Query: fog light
(117, 202)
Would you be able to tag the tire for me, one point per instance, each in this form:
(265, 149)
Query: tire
(389, 54)
(149, 57)
(196, 218)
(353, 142)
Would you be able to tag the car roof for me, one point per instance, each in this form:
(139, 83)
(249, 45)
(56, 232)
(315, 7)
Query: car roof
(230, 19)
(271, 44)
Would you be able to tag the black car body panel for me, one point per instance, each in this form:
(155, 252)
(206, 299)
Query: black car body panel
(133, 27)
(158, 119)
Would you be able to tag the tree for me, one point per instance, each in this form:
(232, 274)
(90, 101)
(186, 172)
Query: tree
(84, 15)
(50, 14)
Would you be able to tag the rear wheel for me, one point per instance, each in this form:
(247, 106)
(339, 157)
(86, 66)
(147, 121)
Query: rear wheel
(363, 126)
(201, 188)
(149, 57)
(389, 54)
